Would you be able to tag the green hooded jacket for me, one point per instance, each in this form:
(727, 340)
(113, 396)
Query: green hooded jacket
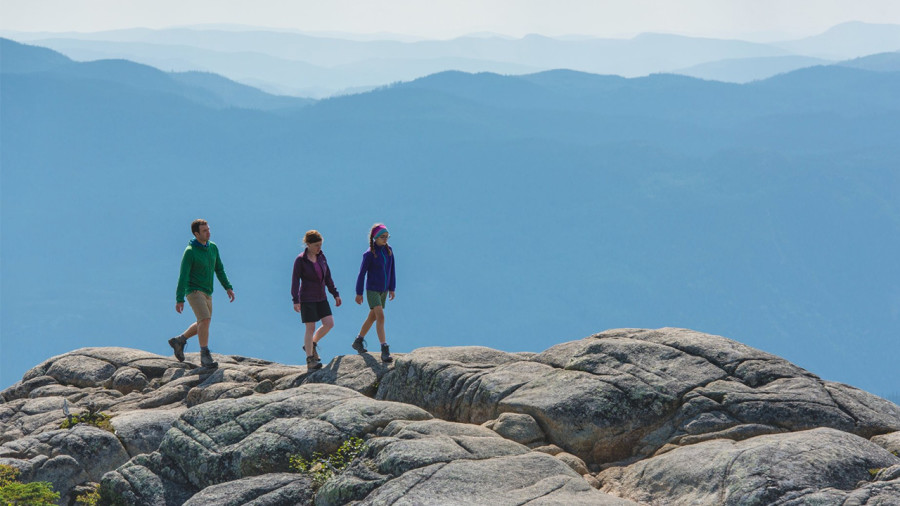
(197, 267)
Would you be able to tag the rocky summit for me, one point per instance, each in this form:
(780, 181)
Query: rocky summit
(627, 416)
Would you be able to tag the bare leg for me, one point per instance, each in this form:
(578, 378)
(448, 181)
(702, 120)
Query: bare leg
(370, 319)
(327, 325)
(191, 331)
(308, 338)
(203, 332)
(379, 323)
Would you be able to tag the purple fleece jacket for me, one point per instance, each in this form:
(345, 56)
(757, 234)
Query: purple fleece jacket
(380, 270)
(312, 288)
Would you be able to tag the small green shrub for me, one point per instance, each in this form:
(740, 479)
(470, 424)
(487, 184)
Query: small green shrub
(14, 492)
(89, 498)
(8, 474)
(91, 417)
(322, 467)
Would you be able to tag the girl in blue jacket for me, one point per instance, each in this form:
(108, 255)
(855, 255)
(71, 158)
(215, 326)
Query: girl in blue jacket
(377, 270)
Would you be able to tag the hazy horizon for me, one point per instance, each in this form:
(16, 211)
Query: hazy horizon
(752, 20)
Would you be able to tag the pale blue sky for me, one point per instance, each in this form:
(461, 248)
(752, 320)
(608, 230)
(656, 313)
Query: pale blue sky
(747, 19)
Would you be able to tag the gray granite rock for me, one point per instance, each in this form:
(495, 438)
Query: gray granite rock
(128, 379)
(142, 431)
(81, 371)
(148, 479)
(519, 427)
(233, 439)
(439, 462)
(824, 465)
(65, 457)
(64, 472)
(356, 372)
(274, 489)
(890, 442)
(574, 462)
(530, 478)
(97, 451)
(629, 393)
(616, 400)
(22, 389)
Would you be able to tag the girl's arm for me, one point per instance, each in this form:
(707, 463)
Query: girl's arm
(363, 269)
(392, 284)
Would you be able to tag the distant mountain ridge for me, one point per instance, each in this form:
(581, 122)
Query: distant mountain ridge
(765, 211)
(883, 62)
(204, 88)
(319, 66)
(848, 40)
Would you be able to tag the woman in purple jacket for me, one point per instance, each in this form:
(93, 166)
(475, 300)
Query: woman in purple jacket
(311, 277)
(377, 270)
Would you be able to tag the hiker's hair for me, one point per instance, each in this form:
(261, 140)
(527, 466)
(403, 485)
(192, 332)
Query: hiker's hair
(195, 225)
(390, 252)
(312, 236)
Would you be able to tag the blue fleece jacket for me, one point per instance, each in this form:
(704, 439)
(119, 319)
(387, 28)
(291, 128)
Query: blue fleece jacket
(378, 271)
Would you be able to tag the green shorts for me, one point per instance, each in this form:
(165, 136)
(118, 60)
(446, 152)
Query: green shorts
(376, 299)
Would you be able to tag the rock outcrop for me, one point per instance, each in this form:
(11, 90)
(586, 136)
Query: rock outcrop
(666, 416)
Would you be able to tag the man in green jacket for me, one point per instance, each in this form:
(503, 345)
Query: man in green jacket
(200, 261)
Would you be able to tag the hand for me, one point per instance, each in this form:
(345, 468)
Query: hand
(391, 295)
(337, 302)
(179, 307)
(359, 299)
(297, 307)
(230, 295)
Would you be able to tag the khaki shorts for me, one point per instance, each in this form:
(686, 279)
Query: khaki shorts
(201, 303)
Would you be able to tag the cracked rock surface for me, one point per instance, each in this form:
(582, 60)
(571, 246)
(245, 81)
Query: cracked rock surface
(666, 416)
(818, 466)
(628, 394)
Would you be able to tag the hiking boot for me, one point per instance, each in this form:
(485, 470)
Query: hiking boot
(315, 352)
(206, 359)
(177, 344)
(359, 344)
(386, 354)
(313, 363)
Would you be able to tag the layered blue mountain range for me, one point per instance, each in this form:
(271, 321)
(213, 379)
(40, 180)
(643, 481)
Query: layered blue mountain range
(321, 65)
(523, 210)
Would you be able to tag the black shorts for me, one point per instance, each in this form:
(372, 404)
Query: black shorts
(314, 311)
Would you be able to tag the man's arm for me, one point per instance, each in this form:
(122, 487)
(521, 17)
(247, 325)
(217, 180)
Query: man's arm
(223, 278)
(184, 275)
